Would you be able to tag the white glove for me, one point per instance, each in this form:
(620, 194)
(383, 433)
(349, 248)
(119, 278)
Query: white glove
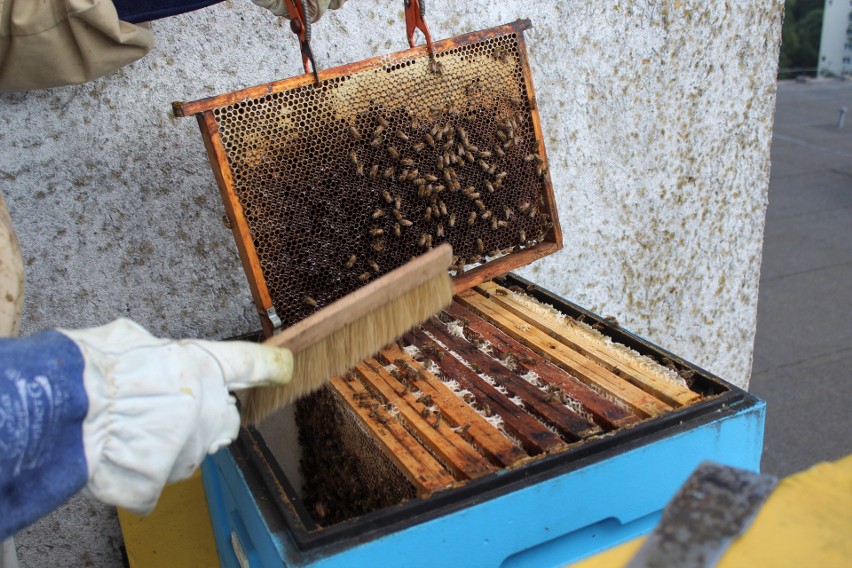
(316, 8)
(157, 407)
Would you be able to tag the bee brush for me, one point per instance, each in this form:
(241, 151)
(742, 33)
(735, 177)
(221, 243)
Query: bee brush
(354, 327)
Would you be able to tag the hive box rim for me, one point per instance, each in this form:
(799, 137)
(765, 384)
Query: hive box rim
(288, 517)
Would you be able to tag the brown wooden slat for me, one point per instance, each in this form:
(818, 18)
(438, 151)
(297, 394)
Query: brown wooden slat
(667, 391)
(534, 436)
(488, 439)
(607, 414)
(545, 406)
(450, 448)
(502, 265)
(587, 371)
(418, 465)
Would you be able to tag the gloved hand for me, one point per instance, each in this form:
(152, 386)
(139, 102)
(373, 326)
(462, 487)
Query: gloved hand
(316, 8)
(157, 407)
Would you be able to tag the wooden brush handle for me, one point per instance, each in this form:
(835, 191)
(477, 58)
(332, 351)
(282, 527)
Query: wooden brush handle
(364, 300)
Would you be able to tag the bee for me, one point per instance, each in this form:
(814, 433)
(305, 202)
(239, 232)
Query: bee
(468, 190)
(436, 211)
(508, 212)
(522, 235)
(394, 153)
(471, 219)
(397, 230)
(376, 142)
(407, 162)
(355, 134)
(473, 196)
(419, 147)
(439, 188)
(403, 176)
(502, 224)
(374, 170)
(422, 241)
(389, 172)
(534, 211)
(500, 177)
(452, 221)
(494, 223)
(480, 246)
(539, 158)
(486, 214)
(397, 203)
(377, 131)
(359, 169)
(402, 135)
(310, 301)
(374, 265)
(448, 175)
(539, 171)
(524, 206)
(420, 181)
(405, 223)
(377, 232)
(443, 207)
(430, 140)
(381, 120)
(439, 231)
(479, 203)
(397, 214)
(351, 262)
(502, 136)
(364, 276)
(499, 151)
(484, 165)
(378, 213)
(455, 186)
(492, 169)
(529, 157)
(379, 246)
(489, 186)
(413, 173)
(353, 155)
(428, 213)
(495, 252)
(430, 178)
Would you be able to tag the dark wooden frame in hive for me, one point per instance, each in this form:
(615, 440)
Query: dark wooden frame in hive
(204, 110)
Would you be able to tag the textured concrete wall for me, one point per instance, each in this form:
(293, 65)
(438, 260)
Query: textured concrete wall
(657, 116)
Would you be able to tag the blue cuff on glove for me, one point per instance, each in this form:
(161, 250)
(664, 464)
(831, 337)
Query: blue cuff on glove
(42, 407)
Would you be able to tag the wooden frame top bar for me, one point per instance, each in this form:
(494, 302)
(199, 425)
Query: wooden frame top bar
(210, 103)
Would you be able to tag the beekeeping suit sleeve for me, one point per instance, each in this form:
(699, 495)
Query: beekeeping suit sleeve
(117, 412)
(49, 43)
(316, 8)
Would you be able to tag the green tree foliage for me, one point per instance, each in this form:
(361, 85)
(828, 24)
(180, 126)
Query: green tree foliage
(801, 33)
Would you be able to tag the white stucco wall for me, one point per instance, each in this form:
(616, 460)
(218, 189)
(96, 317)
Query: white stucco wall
(657, 117)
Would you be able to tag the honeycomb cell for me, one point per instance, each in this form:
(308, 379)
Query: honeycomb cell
(445, 153)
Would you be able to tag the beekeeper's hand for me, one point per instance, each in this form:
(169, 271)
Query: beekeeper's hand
(157, 407)
(316, 8)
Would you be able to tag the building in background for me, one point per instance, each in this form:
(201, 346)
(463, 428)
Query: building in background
(835, 50)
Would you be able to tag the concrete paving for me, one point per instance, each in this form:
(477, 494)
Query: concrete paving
(803, 347)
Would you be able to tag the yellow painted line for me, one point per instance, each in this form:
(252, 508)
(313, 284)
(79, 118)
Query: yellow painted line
(177, 533)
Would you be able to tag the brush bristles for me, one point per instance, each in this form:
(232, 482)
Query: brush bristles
(338, 352)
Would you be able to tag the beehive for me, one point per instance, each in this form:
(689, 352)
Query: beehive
(329, 185)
